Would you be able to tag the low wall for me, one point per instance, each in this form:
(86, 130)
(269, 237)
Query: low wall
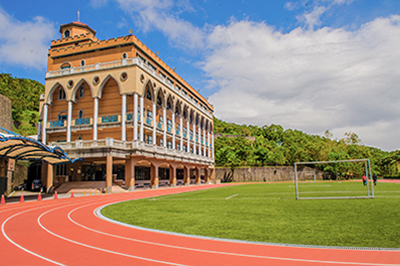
(262, 174)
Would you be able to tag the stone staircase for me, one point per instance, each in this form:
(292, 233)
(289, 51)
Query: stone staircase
(87, 187)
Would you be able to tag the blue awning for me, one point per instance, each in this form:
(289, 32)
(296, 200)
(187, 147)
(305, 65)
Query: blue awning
(16, 147)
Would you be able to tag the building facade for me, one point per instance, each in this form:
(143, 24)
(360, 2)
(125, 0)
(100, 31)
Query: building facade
(128, 115)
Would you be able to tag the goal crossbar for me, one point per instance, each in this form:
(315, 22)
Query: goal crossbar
(367, 165)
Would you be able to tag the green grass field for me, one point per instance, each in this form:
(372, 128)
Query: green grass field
(270, 213)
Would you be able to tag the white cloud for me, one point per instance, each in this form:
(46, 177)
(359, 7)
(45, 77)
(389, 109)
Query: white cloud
(159, 14)
(25, 43)
(311, 80)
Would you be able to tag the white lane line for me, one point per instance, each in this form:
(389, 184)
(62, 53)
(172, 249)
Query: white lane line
(97, 248)
(206, 251)
(24, 249)
(231, 196)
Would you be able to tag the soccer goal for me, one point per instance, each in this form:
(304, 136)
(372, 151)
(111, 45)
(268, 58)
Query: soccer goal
(333, 171)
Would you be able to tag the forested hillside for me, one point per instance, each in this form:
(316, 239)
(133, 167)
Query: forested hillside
(24, 95)
(275, 146)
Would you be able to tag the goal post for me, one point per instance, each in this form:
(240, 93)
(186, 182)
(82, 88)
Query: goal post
(366, 170)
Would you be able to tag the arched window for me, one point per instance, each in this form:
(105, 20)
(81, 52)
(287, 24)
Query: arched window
(79, 137)
(65, 66)
(176, 111)
(82, 62)
(61, 94)
(184, 114)
(62, 116)
(148, 94)
(169, 105)
(124, 56)
(159, 101)
(67, 34)
(80, 114)
(81, 91)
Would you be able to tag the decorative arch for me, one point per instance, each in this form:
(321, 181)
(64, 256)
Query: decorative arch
(52, 90)
(160, 99)
(185, 112)
(148, 87)
(104, 82)
(178, 108)
(170, 103)
(77, 86)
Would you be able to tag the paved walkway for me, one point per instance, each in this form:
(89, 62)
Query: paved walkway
(67, 231)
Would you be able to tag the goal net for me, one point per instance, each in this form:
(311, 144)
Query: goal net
(340, 179)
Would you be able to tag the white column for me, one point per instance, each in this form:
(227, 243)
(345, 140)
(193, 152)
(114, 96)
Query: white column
(165, 127)
(181, 131)
(208, 144)
(135, 116)
(173, 130)
(154, 124)
(199, 131)
(141, 137)
(45, 111)
(188, 136)
(123, 120)
(69, 121)
(204, 140)
(96, 117)
(194, 136)
(212, 143)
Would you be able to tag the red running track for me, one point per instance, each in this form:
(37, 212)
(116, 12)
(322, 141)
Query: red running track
(68, 232)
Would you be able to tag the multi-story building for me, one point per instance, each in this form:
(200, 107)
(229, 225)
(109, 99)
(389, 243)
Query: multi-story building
(128, 115)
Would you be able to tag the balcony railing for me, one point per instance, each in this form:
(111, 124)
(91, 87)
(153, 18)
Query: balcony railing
(129, 117)
(57, 123)
(149, 121)
(82, 121)
(110, 119)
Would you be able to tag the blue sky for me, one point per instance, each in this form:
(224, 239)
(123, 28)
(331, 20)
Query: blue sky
(311, 65)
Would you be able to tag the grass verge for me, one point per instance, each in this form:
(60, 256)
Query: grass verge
(270, 213)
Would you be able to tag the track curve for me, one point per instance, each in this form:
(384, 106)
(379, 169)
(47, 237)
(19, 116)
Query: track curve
(68, 232)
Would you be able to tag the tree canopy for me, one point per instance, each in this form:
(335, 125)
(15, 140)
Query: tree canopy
(275, 146)
(24, 95)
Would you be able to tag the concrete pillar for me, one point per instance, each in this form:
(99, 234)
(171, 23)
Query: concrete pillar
(10, 171)
(135, 116)
(69, 121)
(50, 175)
(212, 175)
(95, 117)
(45, 114)
(206, 178)
(172, 175)
(186, 175)
(130, 173)
(197, 179)
(123, 120)
(154, 175)
(141, 137)
(109, 169)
